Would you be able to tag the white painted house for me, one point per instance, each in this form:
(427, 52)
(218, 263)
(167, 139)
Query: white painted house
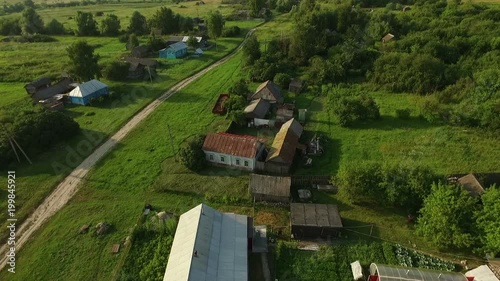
(236, 151)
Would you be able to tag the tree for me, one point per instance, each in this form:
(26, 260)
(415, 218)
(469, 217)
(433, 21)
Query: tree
(29, 4)
(138, 24)
(215, 24)
(256, 6)
(234, 103)
(132, 42)
(83, 61)
(237, 116)
(117, 71)
(251, 50)
(54, 28)
(164, 19)
(239, 88)
(446, 219)
(31, 22)
(282, 79)
(193, 42)
(192, 155)
(110, 26)
(488, 220)
(86, 24)
(360, 182)
(351, 109)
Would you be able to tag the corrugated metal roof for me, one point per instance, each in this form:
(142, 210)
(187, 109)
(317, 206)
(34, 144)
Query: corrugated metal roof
(270, 185)
(396, 273)
(209, 246)
(87, 88)
(178, 46)
(323, 215)
(285, 142)
(237, 145)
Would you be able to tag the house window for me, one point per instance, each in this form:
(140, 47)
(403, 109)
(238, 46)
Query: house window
(211, 157)
(222, 158)
(238, 162)
(246, 163)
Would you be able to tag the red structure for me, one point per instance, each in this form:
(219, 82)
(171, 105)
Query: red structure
(218, 107)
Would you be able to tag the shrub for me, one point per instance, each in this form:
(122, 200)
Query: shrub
(232, 31)
(116, 71)
(403, 113)
(99, 14)
(239, 88)
(282, 79)
(54, 28)
(192, 156)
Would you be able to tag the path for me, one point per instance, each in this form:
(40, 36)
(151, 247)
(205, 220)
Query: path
(70, 185)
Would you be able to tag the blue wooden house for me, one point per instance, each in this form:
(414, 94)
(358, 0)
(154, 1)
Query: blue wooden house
(87, 91)
(174, 51)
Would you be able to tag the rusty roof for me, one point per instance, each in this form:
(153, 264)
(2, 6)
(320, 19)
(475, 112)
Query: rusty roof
(273, 89)
(323, 215)
(285, 143)
(237, 145)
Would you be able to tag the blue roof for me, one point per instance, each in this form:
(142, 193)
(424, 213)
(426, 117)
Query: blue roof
(178, 46)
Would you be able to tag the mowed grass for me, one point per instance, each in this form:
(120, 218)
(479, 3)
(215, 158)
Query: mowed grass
(11, 92)
(35, 182)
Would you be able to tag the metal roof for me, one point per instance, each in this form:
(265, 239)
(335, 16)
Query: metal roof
(270, 185)
(87, 88)
(237, 145)
(273, 89)
(209, 246)
(395, 273)
(323, 215)
(471, 184)
(178, 46)
(482, 273)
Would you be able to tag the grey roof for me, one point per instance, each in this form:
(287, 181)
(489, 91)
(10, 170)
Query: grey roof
(62, 87)
(471, 184)
(39, 82)
(219, 241)
(273, 89)
(396, 273)
(178, 46)
(270, 185)
(257, 108)
(323, 215)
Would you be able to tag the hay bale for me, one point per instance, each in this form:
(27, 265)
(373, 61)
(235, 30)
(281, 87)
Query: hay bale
(84, 229)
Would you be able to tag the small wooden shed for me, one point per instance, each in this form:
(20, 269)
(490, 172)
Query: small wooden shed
(270, 188)
(314, 220)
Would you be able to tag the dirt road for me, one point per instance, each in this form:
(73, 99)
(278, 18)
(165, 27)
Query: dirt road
(70, 185)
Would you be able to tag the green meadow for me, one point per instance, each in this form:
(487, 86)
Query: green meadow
(36, 181)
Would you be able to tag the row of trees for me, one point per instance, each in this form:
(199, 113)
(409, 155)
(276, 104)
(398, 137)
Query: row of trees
(449, 217)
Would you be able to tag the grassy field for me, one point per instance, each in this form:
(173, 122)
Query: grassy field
(140, 170)
(98, 122)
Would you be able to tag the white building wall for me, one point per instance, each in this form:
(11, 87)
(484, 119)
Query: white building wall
(230, 160)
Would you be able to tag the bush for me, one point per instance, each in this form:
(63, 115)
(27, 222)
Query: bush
(99, 14)
(239, 88)
(351, 109)
(403, 113)
(10, 26)
(116, 71)
(282, 79)
(192, 155)
(55, 28)
(232, 31)
(359, 182)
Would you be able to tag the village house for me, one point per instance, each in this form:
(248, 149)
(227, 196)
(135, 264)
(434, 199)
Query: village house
(268, 91)
(257, 109)
(237, 151)
(141, 68)
(286, 142)
(270, 188)
(85, 92)
(141, 51)
(201, 40)
(174, 51)
(210, 245)
(314, 220)
(284, 112)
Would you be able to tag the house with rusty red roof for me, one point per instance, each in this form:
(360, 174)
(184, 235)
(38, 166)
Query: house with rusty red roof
(237, 151)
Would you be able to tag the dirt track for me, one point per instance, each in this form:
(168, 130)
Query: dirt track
(70, 185)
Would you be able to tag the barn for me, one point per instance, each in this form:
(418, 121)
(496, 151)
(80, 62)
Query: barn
(270, 188)
(269, 92)
(87, 91)
(210, 245)
(314, 220)
(174, 51)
